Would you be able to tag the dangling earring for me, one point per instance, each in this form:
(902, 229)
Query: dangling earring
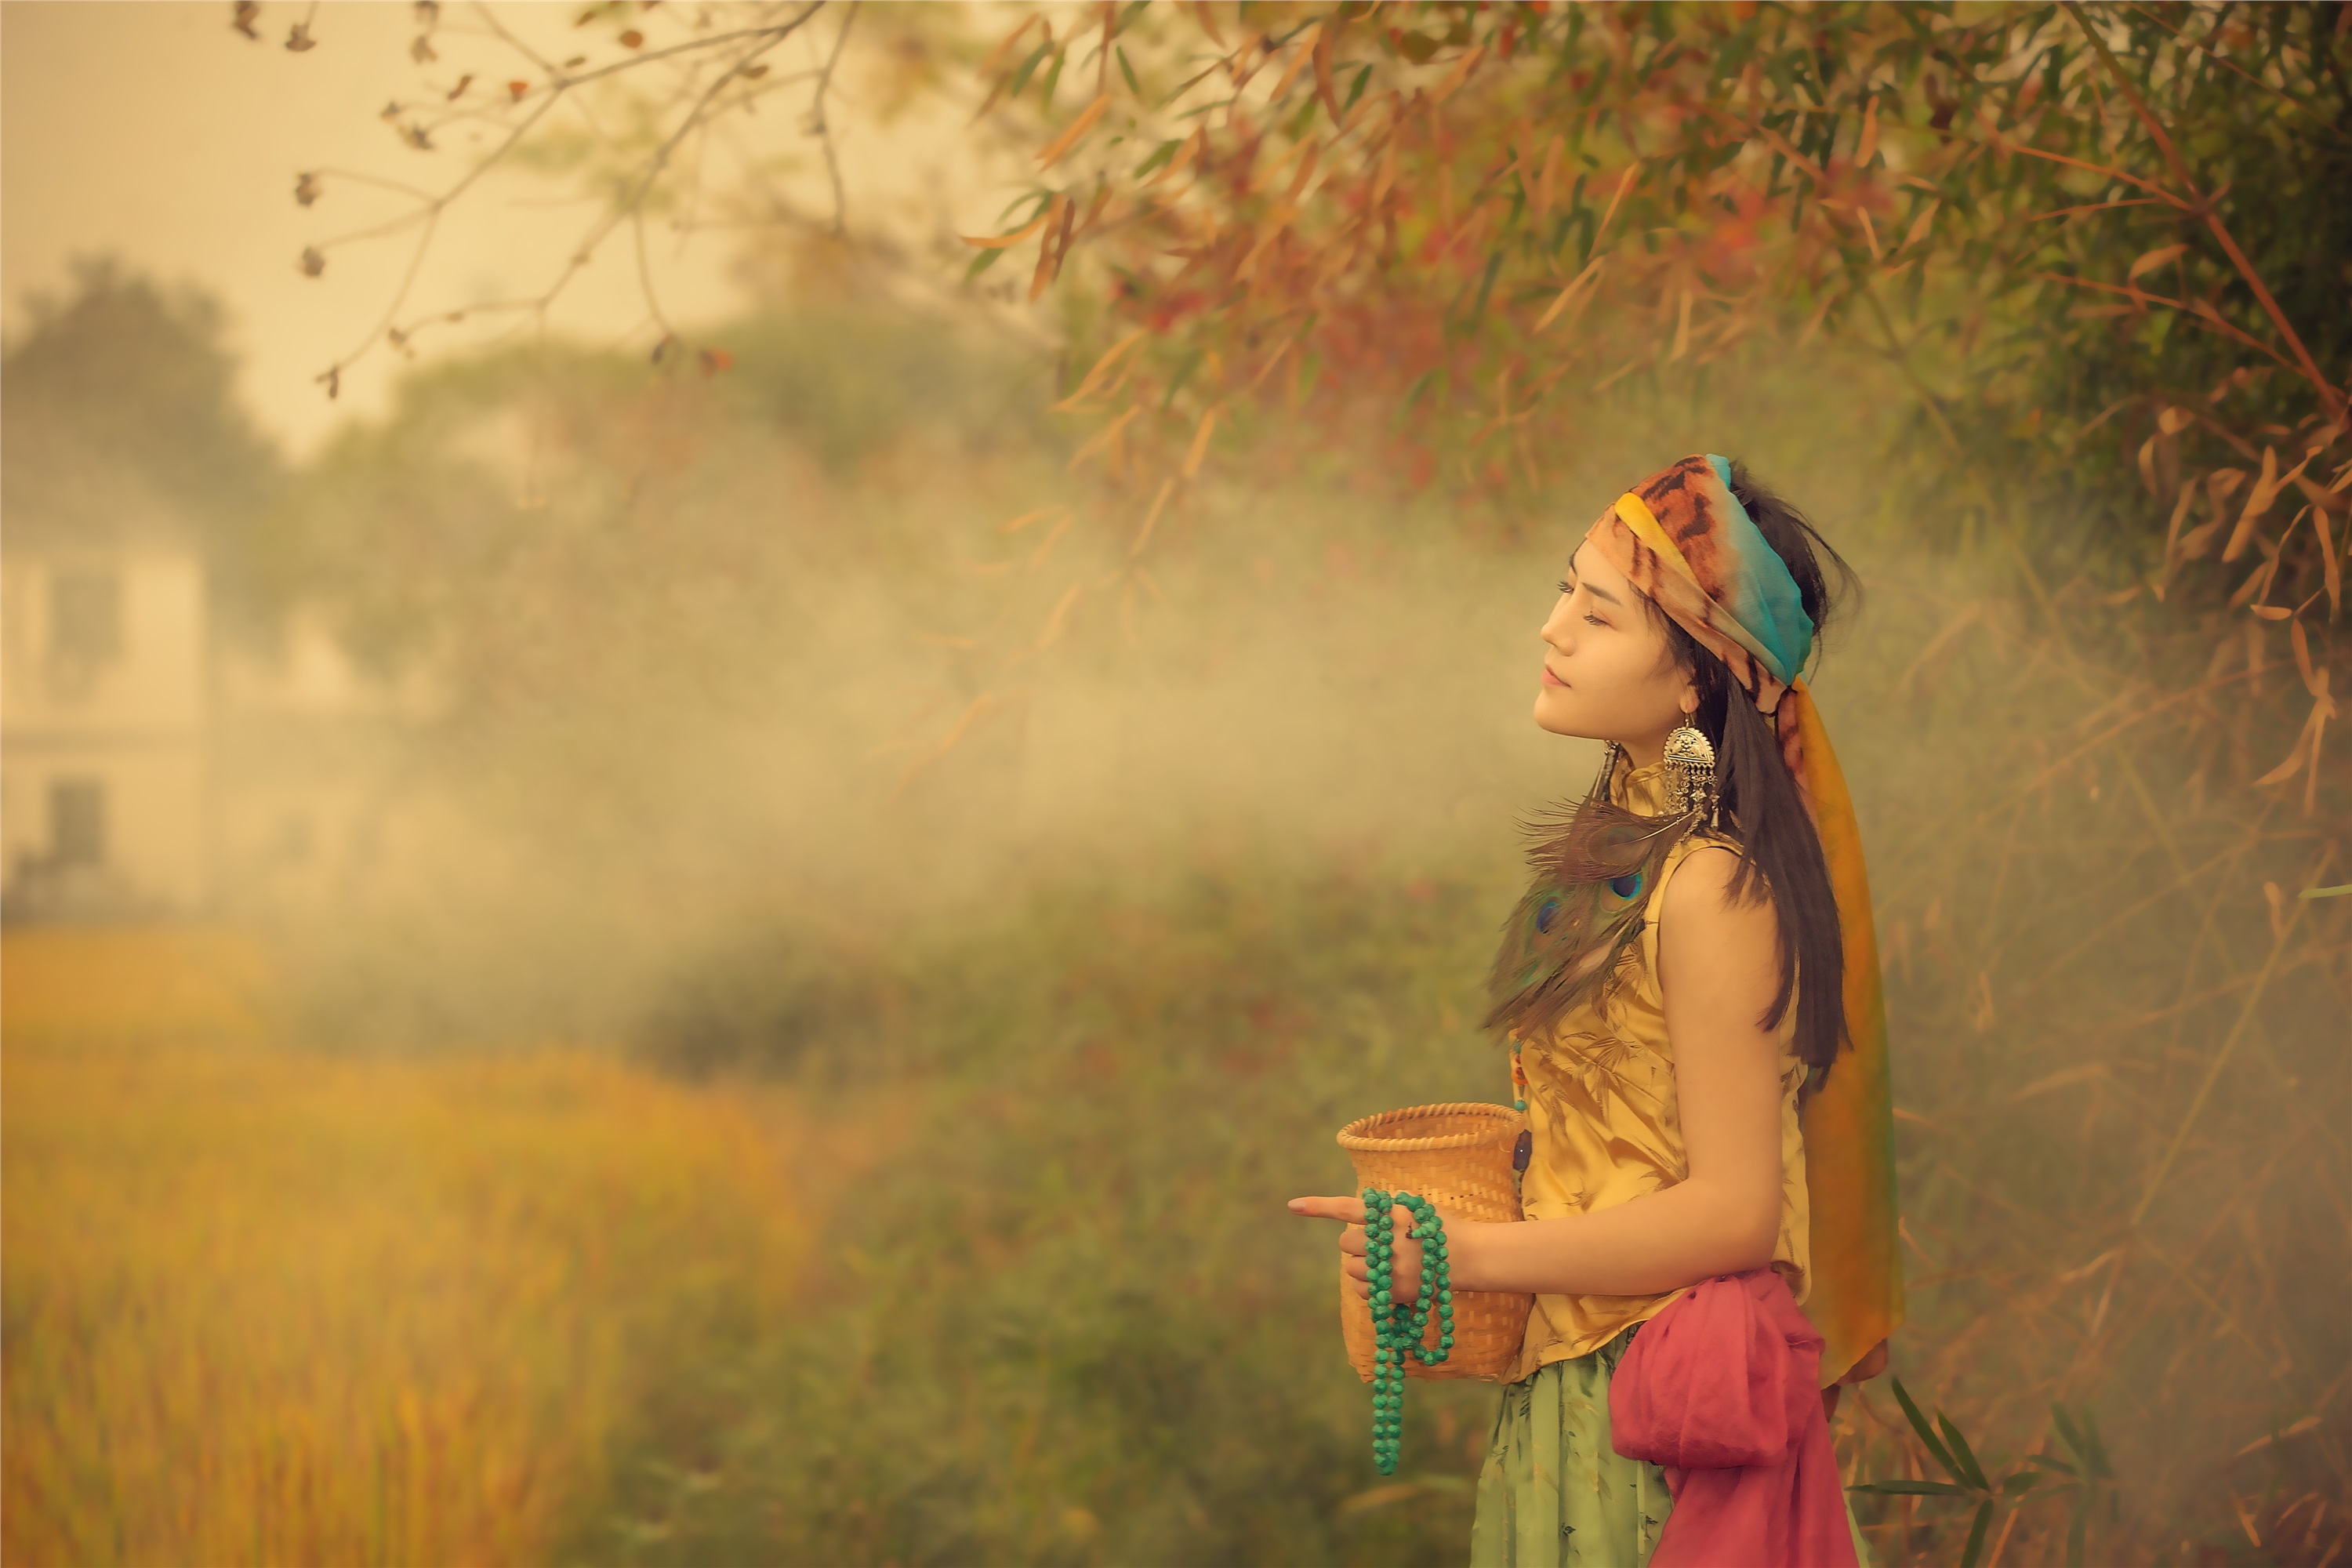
(1690, 771)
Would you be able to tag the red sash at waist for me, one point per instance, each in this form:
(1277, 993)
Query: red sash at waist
(1719, 1389)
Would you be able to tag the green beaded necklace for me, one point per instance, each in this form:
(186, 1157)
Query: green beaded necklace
(1398, 1326)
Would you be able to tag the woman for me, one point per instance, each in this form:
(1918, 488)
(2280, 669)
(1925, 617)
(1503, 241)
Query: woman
(1678, 986)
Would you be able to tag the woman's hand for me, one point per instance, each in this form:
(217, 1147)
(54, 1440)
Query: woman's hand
(1872, 1362)
(1405, 1264)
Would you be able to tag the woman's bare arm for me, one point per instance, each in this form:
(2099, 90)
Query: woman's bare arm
(1718, 970)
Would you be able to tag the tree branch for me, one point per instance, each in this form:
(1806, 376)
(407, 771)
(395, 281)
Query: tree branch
(2330, 396)
(761, 40)
(822, 129)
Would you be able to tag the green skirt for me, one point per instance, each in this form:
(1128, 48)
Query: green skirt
(1553, 1492)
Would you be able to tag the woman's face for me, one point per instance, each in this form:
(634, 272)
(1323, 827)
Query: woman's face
(1608, 673)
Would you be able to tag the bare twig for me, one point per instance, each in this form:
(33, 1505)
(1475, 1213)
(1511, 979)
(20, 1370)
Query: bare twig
(646, 275)
(2229, 1044)
(698, 45)
(430, 217)
(759, 40)
(822, 127)
(518, 45)
(2065, 763)
(2187, 308)
(2094, 207)
(2002, 143)
(1902, 358)
(2330, 396)
(2226, 63)
(337, 172)
(332, 376)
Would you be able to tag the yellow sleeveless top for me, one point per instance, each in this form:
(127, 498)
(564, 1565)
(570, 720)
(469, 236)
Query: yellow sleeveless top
(1602, 1109)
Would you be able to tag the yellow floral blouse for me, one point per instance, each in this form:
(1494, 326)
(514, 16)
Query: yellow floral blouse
(1601, 1106)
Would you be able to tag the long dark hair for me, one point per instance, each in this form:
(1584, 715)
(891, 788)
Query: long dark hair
(1780, 854)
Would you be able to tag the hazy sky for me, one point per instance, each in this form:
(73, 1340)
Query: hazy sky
(157, 133)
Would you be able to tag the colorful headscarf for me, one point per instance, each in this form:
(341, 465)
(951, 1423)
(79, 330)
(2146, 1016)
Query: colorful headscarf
(1684, 538)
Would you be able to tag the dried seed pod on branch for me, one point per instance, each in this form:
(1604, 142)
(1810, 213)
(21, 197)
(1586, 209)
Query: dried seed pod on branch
(673, 78)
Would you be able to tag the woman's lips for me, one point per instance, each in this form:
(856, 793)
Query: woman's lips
(1551, 679)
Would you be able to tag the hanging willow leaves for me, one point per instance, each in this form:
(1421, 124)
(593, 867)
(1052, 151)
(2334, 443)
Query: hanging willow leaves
(2104, 213)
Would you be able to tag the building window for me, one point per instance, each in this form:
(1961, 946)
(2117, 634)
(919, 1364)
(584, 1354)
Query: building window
(85, 617)
(78, 822)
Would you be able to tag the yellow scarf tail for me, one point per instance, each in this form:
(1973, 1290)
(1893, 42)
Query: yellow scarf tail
(1856, 1300)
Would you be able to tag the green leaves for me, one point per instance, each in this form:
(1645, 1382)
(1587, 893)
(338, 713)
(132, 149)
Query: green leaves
(2085, 1474)
(1969, 1552)
(1927, 1437)
(1913, 1489)
(1433, 384)
(1959, 1450)
(2083, 1439)
(1160, 154)
(1021, 72)
(1417, 47)
(1945, 1444)
(2090, 1471)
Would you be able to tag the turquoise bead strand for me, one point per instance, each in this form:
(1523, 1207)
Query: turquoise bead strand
(1399, 1327)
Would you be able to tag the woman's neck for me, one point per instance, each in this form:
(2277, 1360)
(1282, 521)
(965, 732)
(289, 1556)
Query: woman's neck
(1639, 788)
(1645, 751)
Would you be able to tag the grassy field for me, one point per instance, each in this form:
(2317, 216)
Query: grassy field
(270, 1306)
(1002, 1276)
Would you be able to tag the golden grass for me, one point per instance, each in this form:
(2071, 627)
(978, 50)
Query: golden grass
(153, 980)
(274, 1306)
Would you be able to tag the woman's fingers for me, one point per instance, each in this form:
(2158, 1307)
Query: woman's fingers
(1404, 1261)
(1405, 1272)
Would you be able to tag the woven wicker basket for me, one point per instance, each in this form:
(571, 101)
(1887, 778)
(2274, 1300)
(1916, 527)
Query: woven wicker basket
(1458, 1157)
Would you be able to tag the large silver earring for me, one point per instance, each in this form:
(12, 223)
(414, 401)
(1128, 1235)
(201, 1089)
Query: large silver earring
(1690, 771)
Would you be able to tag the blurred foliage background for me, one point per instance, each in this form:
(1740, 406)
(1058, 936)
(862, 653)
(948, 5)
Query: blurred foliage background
(858, 896)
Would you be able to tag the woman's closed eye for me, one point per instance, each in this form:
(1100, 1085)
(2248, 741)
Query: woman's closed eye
(1568, 588)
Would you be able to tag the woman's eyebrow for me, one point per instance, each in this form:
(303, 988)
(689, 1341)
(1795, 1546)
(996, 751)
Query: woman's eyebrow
(1598, 593)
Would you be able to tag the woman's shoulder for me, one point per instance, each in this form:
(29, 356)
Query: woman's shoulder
(1697, 883)
(1703, 901)
(1709, 873)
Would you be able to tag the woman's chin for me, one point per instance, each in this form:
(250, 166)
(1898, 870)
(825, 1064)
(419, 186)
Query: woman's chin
(1549, 716)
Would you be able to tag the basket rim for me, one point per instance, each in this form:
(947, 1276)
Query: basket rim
(1359, 1136)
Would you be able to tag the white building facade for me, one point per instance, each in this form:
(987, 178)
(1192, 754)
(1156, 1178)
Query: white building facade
(104, 719)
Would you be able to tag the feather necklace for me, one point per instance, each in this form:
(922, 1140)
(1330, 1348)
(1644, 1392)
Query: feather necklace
(1593, 865)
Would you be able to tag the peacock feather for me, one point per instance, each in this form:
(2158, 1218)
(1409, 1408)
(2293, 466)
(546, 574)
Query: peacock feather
(1593, 868)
